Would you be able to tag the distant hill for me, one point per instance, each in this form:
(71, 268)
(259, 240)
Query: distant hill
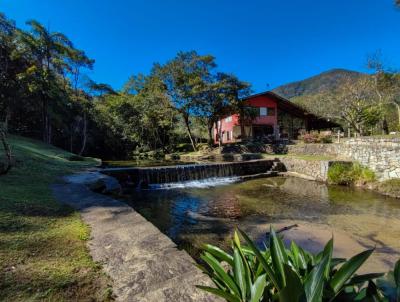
(326, 81)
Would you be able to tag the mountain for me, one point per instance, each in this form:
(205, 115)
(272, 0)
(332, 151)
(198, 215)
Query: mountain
(328, 80)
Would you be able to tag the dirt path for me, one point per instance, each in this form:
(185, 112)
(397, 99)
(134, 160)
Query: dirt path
(144, 264)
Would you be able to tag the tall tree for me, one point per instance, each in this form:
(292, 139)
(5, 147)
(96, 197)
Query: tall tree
(181, 78)
(78, 60)
(48, 51)
(386, 85)
(12, 63)
(221, 95)
(354, 104)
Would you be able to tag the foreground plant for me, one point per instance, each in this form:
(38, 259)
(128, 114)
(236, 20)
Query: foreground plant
(276, 273)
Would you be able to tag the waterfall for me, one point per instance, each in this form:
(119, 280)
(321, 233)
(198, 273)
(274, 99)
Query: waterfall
(182, 173)
(214, 172)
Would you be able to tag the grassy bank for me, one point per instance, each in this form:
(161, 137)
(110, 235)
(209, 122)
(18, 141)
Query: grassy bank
(43, 253)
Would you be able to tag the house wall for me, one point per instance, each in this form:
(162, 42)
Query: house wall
(233, 126)
(264, 101)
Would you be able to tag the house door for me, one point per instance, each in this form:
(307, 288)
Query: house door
(262, 131)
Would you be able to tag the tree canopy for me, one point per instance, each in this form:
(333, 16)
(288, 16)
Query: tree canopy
(45, 93)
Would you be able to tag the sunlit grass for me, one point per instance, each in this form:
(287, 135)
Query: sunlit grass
(43, 253)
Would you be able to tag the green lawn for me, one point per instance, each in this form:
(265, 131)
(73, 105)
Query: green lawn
(43, 253)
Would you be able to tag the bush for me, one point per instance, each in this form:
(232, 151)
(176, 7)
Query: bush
(326, 138)
(340, 174)
(314, 137)
(175, 156)
(347, 173)
(390, 187)
(251, 156)
(185, 147)
(310, 138)
(282, 274)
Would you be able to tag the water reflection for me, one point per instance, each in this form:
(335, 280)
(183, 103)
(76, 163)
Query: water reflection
(358, 219)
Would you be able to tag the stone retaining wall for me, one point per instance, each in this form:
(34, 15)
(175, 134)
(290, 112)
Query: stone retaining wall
(382, 155)
(311, 169)
(313, 149)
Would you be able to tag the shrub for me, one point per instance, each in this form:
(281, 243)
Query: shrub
(340, 174)
(362, 174)
(390, 187)
(310, 138)
(254, 146)
(326, 138)
(284, 274)
(251, 156)
(346, 173)
(185, 147)
(175, 156)
(313, 137)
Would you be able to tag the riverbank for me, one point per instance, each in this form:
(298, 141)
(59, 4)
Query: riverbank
(312, 161)
(144, 264)
(43, 251)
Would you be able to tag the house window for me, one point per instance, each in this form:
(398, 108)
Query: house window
(228, 119)
(228, 135)
(263, 111)
(271, 111)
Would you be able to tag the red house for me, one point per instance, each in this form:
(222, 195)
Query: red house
(277, 118)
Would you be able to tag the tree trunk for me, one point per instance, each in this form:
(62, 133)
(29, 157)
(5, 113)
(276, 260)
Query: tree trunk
(219, 132)
(398, 114)
(84, 134)
(7, 119)
(46, 121)
(187, 124)
(71, 139)
(7, 151)
(242, 128)
(385, 127)
(210, 133)
(49, 135)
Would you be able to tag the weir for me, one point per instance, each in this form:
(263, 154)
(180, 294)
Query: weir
(184, 173)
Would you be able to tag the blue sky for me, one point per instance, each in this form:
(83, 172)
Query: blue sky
(264, 42)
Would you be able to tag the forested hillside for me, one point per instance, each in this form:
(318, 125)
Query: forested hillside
(326, 81)
(362, 103)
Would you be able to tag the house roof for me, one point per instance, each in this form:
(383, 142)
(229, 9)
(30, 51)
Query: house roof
(294, 109)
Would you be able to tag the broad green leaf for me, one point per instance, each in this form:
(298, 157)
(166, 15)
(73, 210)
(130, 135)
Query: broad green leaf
(248, 274)
(302, 257)
(373, 293)
(348, 269)
(239, 273)
(314, 283)
(327, 252)
(293, 289)
(396, 273)
(396, 277)
(218, 292)
(236, 239)
(336, 261)
(363, 278)
(261, 259)
(278, 256)
(219, 270)
(218, 253)
(257, 289)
